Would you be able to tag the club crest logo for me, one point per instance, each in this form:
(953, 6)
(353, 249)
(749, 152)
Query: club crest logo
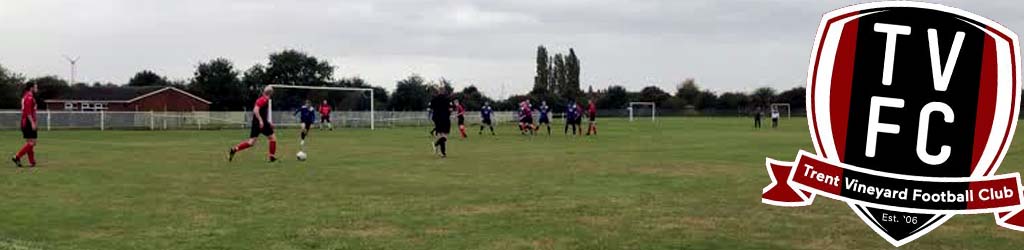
(911, 108)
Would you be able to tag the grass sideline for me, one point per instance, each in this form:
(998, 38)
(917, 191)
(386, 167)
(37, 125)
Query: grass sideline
(678, 183)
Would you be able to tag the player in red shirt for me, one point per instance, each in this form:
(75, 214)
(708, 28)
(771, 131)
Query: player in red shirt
(261, 124)
(29, 126)
(592, 113)
(526, 118)
(460, 112)
(325, 116)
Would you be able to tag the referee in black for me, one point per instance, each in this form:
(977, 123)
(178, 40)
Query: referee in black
(441, 107)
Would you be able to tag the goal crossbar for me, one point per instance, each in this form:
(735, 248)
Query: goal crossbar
(321, 88)
(372, 111)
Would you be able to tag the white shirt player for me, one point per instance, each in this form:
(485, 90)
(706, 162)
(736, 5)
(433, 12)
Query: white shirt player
(775, 114)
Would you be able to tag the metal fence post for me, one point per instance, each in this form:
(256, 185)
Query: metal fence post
(102, 120)
(47, 120)
(152, 121)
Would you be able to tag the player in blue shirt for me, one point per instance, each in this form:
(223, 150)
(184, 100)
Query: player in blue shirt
(544, 109)
(571, 115)
(485, 117)
(307, 115)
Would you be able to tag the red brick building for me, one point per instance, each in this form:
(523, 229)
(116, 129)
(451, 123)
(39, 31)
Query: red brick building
(129, 99)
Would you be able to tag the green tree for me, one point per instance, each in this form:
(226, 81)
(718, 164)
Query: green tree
(541, 83)
(708, 100)
(615, 97)
(411, 94)
(292, 67)
(558, 74)
(733, 100)
(380, 94)
(689, 93)
(10, 92)
(357, 100)
(147, 78)
(656, 95)
(472, 98)
(763, 96)
(571, 76)
(795, 97)
(218, 82)
(253, 80)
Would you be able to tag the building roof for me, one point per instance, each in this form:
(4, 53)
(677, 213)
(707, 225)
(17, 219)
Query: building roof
(118, 94)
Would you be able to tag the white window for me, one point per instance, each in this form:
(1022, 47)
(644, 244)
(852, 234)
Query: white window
(69, 106)
(86, 105)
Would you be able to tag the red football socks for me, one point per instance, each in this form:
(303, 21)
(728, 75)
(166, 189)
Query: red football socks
(242, 146)
(24, 150)
(273, 147)
(32, 155)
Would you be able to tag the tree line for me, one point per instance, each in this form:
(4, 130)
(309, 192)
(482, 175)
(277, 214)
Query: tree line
(557, 80)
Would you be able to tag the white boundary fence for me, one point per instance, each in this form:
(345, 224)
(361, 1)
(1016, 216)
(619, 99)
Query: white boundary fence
(130, 120)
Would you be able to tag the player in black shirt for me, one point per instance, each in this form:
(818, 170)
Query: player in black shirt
(757, 117)
(441, 107)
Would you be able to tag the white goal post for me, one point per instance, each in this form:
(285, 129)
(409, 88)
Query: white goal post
(372, 111)
(653, 109)
(780, 107)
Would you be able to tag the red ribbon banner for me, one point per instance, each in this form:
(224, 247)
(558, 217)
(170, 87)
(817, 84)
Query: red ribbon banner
(797, 183)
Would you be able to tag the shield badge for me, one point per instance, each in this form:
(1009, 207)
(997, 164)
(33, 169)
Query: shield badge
(911, 108)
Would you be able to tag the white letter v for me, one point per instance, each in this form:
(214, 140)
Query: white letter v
(940, 76)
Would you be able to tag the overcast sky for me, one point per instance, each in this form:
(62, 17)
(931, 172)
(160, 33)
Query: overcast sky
(725, 45)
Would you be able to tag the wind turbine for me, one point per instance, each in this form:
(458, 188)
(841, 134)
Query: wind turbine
(73, 62)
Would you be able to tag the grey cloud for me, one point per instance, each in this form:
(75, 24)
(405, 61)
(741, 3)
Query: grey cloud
(726, 45)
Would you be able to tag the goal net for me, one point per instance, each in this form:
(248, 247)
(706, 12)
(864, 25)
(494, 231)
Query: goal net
(642, 109)
(350, 107)
(782, 108)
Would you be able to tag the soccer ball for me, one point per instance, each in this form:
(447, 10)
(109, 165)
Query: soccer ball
(301, 156)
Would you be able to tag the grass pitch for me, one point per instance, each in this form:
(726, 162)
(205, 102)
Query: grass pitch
(679, 183)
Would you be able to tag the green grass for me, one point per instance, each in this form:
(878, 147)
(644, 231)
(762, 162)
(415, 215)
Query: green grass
(680, 183)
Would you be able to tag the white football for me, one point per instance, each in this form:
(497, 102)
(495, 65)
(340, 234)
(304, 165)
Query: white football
(301, 156)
